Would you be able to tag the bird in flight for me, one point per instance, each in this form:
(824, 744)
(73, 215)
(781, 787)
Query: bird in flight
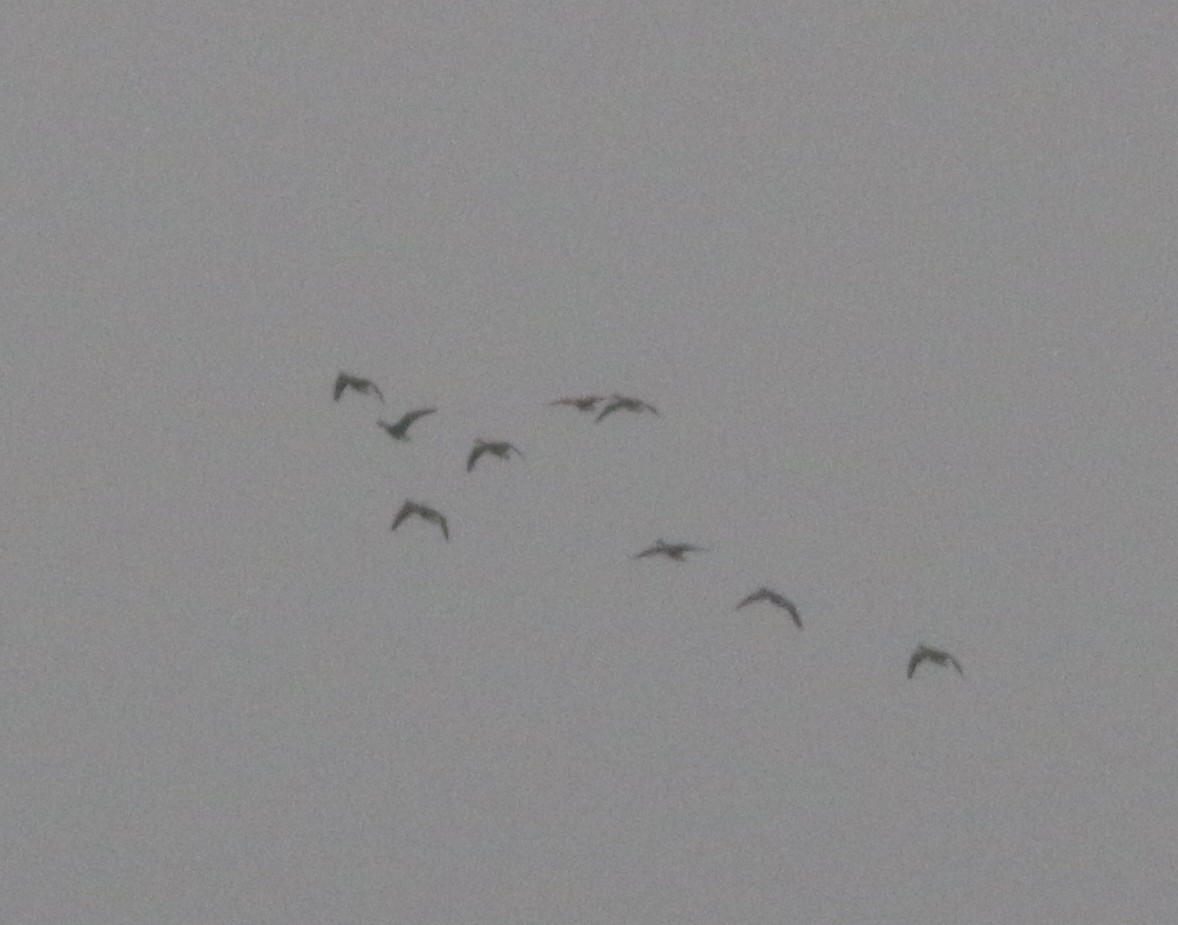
(670, 550)
(409, 508)
(500, 448)
(621, 403)
(936, 656)
(773, 598)
(363, 386)
(397, 431)
(585, 403)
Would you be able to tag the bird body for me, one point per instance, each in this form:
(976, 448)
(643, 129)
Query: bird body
(500, 448)
(397, 430)
(410, 508)
(363, 386)
(674, 551)
(622, 403)
(765, 594)
(936, 656)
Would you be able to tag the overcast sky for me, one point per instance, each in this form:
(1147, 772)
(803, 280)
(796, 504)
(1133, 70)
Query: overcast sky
(900, 280)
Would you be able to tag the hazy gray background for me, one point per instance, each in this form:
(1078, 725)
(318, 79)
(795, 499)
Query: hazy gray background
(900, 278)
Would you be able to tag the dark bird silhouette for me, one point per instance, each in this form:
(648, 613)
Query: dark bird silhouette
(397, 431)
(585, 403)
(409, 508)
(621, 403)
(774, 598)
(670, 550)
(363, 386)
(500, 448)
(936, 656)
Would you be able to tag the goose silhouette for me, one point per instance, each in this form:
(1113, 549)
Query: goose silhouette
(500, 448)
(363, 386)
(674, 551)
(765, 594)
(936, 656)
(397, 430)
(621, 403)
(412, 508)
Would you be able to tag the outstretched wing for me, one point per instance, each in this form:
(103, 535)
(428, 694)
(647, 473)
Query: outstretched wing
(376, 389)
(414, 415)
(956, 664)
(341, 383)
(789, 608)
(917, 657)
(406, 509)
(512, 448)
(652, 551)
(445, 529)
(608, 409)
(478, 451)
(649, 407)
(752, 598)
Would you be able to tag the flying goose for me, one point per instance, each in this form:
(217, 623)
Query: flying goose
(621, 403)
(670, 550)
(363, 386)
(397, 431)
(425, 513)
(774, 598)
(500, 448)
(584, 403)
(936, 656)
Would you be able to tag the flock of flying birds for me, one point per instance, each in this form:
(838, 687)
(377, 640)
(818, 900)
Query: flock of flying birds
(502, 449)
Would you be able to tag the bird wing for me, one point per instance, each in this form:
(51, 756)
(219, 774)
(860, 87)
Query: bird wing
(406, 509)
(414, 415)
(649, 407)
(511, 447)
(652, 551)
(445, 529)
(341, 383)
(792, 611)
(608, 409)
(376, 389)
(478, 451)
(755, 596)
(917, 657)
(956, 664)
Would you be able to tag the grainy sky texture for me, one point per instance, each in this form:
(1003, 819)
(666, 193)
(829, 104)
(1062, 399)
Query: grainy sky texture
(900, 279)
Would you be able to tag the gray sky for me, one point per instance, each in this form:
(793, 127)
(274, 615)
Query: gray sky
(900, 279)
